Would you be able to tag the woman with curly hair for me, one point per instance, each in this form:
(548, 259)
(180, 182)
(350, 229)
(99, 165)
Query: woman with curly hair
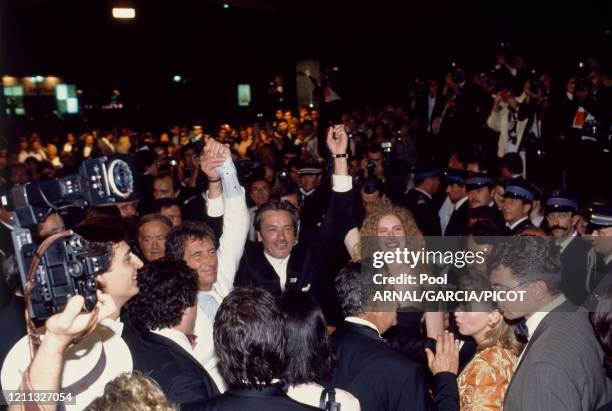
(387, 227)
(131, 392)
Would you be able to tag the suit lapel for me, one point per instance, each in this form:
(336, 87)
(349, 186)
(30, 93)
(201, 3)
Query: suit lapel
(171, 345)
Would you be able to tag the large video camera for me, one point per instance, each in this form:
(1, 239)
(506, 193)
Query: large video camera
(69, 264)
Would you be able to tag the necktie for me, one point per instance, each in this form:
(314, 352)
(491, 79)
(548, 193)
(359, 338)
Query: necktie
(521, 331)
(209, 305)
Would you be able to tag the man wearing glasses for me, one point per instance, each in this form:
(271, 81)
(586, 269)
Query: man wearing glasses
(560, 366)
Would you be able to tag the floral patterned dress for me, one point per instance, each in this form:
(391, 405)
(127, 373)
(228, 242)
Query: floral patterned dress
(484, 380)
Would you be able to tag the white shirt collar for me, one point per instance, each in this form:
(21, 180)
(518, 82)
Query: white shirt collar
(567, 240)
(459, 203)
(424, 192)
(536, 318)
(607, 259)
(569, 95)
(512, 226)
(361, 321)
(280, 267)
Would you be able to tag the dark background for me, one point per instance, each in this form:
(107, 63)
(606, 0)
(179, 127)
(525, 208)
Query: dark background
(378, 46)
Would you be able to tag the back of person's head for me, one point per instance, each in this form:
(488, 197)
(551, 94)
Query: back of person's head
(353, 290)
(166, 289)
(249, 337)
(131, 392)
(177, 238)
(513, 163)
(309, 355)
(602, 322)
(530, 259)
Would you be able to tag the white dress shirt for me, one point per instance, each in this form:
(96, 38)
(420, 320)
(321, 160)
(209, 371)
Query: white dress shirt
(280, 268)
(445, 212)
(361, 321)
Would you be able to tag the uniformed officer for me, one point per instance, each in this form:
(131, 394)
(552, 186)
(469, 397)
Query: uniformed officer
(518, 201)
(458, 222)
(600, 227)
(419, 200)
(562, 215)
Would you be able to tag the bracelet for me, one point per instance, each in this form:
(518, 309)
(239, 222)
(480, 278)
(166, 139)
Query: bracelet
(345, 155)
(214, 181)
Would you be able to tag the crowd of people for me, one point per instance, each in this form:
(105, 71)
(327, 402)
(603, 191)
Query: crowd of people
(235, 275)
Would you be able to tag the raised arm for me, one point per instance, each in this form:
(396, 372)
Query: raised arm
(227, 198)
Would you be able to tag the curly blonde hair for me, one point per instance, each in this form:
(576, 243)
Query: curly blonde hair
(369, 228)
(131, 392)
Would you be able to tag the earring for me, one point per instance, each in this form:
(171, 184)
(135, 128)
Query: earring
(491, 324)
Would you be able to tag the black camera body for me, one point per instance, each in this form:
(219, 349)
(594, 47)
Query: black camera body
(70, 264)
(67, 268)
(103, 180)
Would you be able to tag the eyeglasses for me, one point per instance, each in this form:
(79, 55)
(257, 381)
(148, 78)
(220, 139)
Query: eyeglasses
(506, 289)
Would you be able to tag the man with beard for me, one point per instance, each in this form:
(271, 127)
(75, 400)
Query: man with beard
(561, 211)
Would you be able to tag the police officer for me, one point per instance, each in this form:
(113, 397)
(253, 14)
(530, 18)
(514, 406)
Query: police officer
(419, 200)
(562, 215)
(458, 223)
(518, 201)
(600, 227)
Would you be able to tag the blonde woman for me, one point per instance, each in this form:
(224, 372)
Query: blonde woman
(387, 227)
(484, 380)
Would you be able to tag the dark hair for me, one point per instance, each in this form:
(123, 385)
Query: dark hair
(513, 162)
(102, 232)
(249, 337)
(352, 290)
(276, 205)
(166, 289)
(530, 259)
(309, 354)
(485, 213)
(176, 184)
(284, 189)
(153, 217)
(158, 205)
(602, 322)
(255, 180)
(186, 231)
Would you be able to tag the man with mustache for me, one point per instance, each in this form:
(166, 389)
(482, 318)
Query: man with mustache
(561, 210)
(283, 258)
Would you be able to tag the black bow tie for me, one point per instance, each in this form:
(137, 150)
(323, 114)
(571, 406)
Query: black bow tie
(521, 331)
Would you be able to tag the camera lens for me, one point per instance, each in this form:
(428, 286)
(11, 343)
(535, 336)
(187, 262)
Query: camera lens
(120, 178)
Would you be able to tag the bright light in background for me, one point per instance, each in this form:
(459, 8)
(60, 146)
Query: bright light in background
(37, 79)
(124, 12)
(226, 6)
(176, 78)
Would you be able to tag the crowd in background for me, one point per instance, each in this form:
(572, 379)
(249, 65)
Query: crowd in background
(254, 299)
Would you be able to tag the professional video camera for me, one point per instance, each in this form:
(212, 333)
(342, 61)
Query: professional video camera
(65, 264)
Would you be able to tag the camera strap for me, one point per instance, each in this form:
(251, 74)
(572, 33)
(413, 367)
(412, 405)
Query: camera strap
(34, 336)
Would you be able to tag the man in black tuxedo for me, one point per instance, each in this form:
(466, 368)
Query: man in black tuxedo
(164, 341)
(458, 223)
(561, 211)
(279, 261)
(420, 201)
(250, 342)
(380, 377)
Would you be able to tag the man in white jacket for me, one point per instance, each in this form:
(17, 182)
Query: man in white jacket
(194, 242)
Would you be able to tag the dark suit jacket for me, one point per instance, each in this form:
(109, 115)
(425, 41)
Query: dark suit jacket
(267, 399)
(180, 376)
(382, 378)
(307, 256)
(574, 273)
(561, 368)
(458, 223)
(424, 211)
(519, 228)
(13, 326)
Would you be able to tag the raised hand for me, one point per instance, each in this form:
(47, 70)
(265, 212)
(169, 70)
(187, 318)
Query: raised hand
(213, 156)
(337, 139)
(446, 358)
